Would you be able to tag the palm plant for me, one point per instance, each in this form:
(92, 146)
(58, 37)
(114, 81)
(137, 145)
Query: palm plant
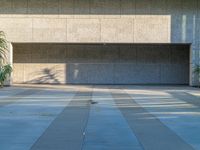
(5, 69)
(3, 48)
(5, 72)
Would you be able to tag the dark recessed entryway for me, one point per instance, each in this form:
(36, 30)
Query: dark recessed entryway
(101, 63)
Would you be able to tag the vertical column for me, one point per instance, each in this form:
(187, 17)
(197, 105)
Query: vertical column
(9, 61)
(191, 67)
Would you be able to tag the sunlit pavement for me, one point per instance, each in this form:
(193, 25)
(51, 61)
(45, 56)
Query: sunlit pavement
(44, 117)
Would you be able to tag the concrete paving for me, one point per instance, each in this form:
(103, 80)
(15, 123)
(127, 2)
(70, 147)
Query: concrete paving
(44, 117)
(64, 135)
(146, 126)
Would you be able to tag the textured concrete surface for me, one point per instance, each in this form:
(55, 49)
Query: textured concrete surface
(100, 117)
(101, 64)
(106, 133)
(134, 21)
(76, 113)
(142, 123)
(75, 21)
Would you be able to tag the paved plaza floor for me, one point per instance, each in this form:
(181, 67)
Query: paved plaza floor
(69, 117)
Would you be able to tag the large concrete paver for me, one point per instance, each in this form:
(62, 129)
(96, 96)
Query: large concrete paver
(134, 117)
(152, 134)
(21, 123)
(12, 95)
(107, 129)
(176, 107)
(67, 130)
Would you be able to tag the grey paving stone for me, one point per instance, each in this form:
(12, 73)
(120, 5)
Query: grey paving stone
(151, 133)
(187, 97)
(13, 98)
(22, 122)
(107, 129)
(66, 132)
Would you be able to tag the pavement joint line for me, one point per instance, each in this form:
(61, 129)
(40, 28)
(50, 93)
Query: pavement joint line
(85, 127)
(140, 144)
(69, 136)
(141, 127)
(105, 133)
(49, 126)
(88, 115)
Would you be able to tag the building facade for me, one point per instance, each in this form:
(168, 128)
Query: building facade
(103, 41)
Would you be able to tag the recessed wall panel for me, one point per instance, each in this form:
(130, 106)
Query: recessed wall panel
(101, 64)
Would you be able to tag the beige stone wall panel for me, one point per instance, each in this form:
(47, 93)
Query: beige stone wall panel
(49, 30)
(152, 29)
(117, 30)
(83, 30)
(17, 29)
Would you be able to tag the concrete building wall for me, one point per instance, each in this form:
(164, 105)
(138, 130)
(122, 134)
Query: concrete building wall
(101, 64)
(83, 21)
(133, 21)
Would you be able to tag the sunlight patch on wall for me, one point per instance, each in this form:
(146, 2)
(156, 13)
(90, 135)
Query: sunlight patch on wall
(83, 29)
(184, 21)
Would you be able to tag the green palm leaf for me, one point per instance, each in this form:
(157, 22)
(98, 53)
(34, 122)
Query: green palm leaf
(3, 48)
(5, 72)
(5, 69)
